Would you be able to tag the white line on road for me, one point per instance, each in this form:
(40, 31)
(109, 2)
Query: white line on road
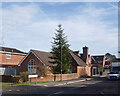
(89, 78)
(59, 92)
(18, 90)
(101, 93)
(56, 93)
(9, 90)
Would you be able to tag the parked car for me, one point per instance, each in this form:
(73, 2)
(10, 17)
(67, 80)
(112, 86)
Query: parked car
(114, 75)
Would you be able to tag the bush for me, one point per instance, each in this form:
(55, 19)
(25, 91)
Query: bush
(24, 76)
(15, 79)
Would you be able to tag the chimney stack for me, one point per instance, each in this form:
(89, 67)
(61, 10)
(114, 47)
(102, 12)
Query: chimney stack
(85, 54)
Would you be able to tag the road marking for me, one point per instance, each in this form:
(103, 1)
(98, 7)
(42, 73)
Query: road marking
(56, 93)
(59, 92)
(89, 78)
(9, 90)
(101, 93)
(18, 90)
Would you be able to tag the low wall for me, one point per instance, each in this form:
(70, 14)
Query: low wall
(56, 77)
(8, 78)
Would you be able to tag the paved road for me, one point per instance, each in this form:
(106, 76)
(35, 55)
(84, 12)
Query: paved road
(97, 85)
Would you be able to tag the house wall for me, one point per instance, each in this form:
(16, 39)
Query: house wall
(9, 71)
(24, 64)
(83, 71)
(99, 67)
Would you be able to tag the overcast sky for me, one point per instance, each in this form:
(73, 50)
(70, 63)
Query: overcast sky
(28, 26)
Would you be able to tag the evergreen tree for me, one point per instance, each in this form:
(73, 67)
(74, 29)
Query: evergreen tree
(60, 51)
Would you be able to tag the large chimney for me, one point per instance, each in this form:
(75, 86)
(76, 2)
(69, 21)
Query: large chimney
(85, 54)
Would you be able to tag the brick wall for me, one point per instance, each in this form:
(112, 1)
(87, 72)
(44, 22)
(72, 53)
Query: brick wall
(56, 77)
(24, 64)
(83, 71)
(8, 78)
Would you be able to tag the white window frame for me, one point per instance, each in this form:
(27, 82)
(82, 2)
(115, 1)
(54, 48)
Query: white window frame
(8, 56)
(32, 66)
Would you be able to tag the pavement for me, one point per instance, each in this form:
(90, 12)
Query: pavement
(64, 82)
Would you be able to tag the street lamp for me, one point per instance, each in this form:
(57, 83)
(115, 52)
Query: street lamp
(61, 62)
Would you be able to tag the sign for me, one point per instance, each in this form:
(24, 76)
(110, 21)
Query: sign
(32, 76)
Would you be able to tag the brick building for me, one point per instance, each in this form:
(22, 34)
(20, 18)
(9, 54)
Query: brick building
(9, 60)
(76, 61)
(35, 60)
(84, 66)
(98, 63)
(84, 56)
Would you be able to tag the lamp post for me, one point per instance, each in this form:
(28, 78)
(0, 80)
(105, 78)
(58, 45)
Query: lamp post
(61, 62)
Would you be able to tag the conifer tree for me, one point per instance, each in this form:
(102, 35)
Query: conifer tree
(60, 51)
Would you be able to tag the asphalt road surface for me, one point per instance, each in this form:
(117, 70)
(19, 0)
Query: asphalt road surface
(97, 86)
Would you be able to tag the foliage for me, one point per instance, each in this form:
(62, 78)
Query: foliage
(24, 76)
(60, 51)
(16, 79)
(41, 70)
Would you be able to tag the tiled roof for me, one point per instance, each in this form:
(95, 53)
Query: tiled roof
(94, 59)
(78, 60)
(76, 52)
(44, 57)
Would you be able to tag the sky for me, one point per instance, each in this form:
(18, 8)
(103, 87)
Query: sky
(31, 25)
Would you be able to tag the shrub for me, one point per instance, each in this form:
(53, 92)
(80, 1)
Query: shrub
(24, 76)
(15, 79)
(41, 70)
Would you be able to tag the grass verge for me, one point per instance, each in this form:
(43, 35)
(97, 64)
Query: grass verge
(6, 84)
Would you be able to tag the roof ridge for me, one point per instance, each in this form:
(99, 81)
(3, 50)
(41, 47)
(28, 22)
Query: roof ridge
(8, 49)
(40, 51)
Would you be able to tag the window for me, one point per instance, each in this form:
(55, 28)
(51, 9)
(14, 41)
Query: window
(99, 61)
(32, 66)
(8, 56)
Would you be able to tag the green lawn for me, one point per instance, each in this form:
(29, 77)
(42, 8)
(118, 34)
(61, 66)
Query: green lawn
(5, 84)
